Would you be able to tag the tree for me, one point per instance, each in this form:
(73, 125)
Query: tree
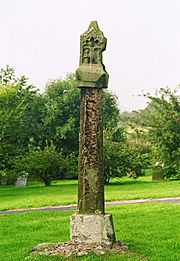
(43, 164)
(63, 111)
(7, 76)
(21, 113)
(111, 112)
(30, 118)
(62, 118)
(137, 135)
(120, 159)
(162, 118)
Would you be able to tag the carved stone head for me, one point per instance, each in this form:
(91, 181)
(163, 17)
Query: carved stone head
(91, 72)
(92, 44)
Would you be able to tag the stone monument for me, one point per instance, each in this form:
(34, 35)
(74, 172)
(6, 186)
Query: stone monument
(21, 181)
(91, 225)
(91, 229)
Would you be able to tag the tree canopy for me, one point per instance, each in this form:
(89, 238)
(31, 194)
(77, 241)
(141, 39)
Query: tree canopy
(162, 117)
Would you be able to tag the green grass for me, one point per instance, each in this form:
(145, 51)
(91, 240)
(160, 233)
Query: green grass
(141, 188)
(151, 232)
(65, 192)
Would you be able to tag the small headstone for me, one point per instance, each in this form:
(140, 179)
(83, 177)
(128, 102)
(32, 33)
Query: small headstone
(21, 181)
(155, 174)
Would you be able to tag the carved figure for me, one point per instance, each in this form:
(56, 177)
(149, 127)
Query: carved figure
(92, 44)
(86, 56)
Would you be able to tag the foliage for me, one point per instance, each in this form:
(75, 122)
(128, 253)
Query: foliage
(63, 111)
(162, 118)
(30, 118)
(62, 118)
(43, 164)
(7, 76)
(111, 112)
(120, 159)
(137, 136)
(71, 166)
(21, 112)
(113, 154)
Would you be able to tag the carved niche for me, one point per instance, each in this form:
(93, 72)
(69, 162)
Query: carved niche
(92, 44)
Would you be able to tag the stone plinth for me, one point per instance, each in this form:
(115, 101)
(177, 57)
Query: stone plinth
(92, 229)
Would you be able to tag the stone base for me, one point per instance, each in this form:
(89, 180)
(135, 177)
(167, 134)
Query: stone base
(68, 249)
(92, 229)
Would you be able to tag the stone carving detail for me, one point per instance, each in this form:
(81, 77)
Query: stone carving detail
(91, 72)
(91, 78)
(91, 191)
(93, 43)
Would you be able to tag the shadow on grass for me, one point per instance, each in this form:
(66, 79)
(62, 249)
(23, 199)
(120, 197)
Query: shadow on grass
(132, 182)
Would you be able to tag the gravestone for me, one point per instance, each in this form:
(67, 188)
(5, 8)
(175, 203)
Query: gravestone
(156, 169)
(91, 225)
(21, 181)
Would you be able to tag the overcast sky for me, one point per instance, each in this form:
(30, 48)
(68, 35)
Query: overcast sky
(41, 38)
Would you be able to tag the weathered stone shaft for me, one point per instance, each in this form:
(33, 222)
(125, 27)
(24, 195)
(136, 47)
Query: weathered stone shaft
(91, 178)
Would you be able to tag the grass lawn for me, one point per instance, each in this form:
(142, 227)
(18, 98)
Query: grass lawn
(150, 230)
(65, 192)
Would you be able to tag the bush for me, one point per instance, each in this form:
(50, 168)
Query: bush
(46, 164)
(162, 117)
(119, 158)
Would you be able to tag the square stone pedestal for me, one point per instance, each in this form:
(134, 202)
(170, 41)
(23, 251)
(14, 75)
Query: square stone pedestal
(92, 229)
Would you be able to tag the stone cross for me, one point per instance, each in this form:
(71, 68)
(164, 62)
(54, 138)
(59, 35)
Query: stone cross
(91, 229)
(91, 224)
(91, 78)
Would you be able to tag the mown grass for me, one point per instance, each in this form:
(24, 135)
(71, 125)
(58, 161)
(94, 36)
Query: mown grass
(64, 192)
(151, 232)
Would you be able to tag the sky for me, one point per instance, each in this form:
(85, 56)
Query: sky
(41, 39)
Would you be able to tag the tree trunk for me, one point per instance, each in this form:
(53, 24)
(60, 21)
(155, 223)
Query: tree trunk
(156, 175)
(47, 181)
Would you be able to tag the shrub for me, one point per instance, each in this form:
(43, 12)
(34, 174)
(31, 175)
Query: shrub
(44, 164)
